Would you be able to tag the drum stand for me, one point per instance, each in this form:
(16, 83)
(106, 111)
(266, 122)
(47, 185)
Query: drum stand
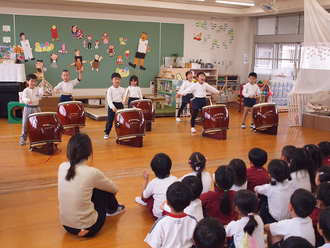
(272, 130)
(47, 149)
(135, 142)
(148, 125)
(221, 135)
(72, 131)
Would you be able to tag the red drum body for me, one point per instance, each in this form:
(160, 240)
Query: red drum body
(148, 111)
(199, 115)
(44, 130)
(71, 114)
(265, 118)
(215, 120)
(130, 126)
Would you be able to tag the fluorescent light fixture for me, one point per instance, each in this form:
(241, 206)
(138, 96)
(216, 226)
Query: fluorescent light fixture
(236, 3)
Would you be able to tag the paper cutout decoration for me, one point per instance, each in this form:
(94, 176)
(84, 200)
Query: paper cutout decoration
(48, 89)
(39, 67)
(105, 38)
(53, 59)
(111, 50)
(120, 60)
(6, 28)
(54, 33)
(78, 61)
(97, 43)
(122, 41)
(6, 40)
(123, 72)
(43, 47)
(198, 36)
(141, 52)
(63, 49)
(7, 52)
(95, 62)
(26, 48)
(89, 37)
(74, 29)
(80, 34)
(18, 50)
(127, 53)
(84, 43)
(215, 43)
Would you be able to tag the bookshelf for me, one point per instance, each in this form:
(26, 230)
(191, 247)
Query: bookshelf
(211, 75)
(231, 80)
(164, 89)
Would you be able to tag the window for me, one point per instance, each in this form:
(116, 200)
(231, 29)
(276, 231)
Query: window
(266, 26)
(288, 24)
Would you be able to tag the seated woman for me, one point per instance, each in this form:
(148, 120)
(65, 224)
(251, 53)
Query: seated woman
(86, 196)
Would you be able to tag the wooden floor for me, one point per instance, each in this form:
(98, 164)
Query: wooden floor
(29, 214)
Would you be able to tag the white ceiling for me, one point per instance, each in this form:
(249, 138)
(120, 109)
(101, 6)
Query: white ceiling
(169, 8)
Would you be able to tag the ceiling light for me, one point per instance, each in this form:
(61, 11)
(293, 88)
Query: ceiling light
(236, 3)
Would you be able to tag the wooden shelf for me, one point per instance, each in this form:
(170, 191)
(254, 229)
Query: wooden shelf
(211, 74)
(231, 80)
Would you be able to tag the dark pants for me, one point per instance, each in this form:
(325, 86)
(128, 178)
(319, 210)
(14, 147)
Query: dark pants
(264, 211)
(185, 101)
(103, 202)
(130, 99)
(66, 98)
(198, 103)
(111, 116)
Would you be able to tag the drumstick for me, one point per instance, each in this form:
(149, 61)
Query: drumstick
(126, 100)
(173, 90)
(224, 86)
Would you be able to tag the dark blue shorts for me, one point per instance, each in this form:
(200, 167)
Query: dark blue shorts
(186, 98)
(199, 103)
(249, 102)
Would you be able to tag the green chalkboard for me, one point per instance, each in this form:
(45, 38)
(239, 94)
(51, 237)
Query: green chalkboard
(171, 39)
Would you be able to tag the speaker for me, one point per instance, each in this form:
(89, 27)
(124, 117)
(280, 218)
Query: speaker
(15, 112)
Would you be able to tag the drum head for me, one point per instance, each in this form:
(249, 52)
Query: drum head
(143, 100)
(69, 102)
(128, 110)
(215, 106)
(263, 104)
(42, 113)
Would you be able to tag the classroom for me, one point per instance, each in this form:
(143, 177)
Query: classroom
(224, 41)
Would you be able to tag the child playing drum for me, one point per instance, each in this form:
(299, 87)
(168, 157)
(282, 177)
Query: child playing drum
(66, 87)
(250, 93)
(199, 101)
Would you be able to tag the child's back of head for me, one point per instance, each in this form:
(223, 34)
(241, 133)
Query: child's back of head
(239, 167)
(294, 242)
(324, 224)
(322, 193)
(324, 146)
(225, 179)
(279, 171)
(197, 162)
(303, 202)
(179, 196)
(302, 160)
(287, 153)
(258, 157)
(323, 175)
(195, 184)
(247, 203)
(209, 233)
(161, 165)
(316, 155)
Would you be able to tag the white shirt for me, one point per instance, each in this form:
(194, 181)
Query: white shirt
(143, 45)
(206, 180)
(301, 227)
(74, 196)
(200, 90)
(249, 89)
(67, 88)
(115, 95)
(157, 189)
(185, 85)
(172, 231)
(194, 209)
(134, 91)
(327, 245)
(237, 188)
(300, 179)
(33, 95)
(236, 229)
(278, 198)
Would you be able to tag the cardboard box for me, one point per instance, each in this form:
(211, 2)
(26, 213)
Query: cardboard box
(308, 120)
(94, 101)
(322, 122)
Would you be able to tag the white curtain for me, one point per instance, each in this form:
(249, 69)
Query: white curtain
(314, 74)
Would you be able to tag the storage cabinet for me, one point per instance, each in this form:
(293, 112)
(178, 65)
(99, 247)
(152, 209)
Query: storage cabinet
(164, 89)
(231, 80)
(211, 75)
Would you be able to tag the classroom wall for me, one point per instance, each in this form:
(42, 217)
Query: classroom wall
(193, 49)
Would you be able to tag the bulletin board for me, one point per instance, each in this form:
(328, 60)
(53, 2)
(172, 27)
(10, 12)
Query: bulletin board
(7, 24)
(123, 35)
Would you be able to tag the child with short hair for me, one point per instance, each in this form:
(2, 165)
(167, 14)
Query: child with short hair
(195, 208)
(287, 153)
(115, 99)
(154, 193)
(324, 226)
(218, 203)
(31, 96)
(294, 242)
(278, 193)
(240, 171)
(324, 146)
(199, 101)
(66, 87)
(322, 175)
(133, 92)
(249, 229)
(176, 228)
(256, 174)
(302, 203)
(301, 169)
(250, 92)
(197, 162)
(185, 99)
(209, 233)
